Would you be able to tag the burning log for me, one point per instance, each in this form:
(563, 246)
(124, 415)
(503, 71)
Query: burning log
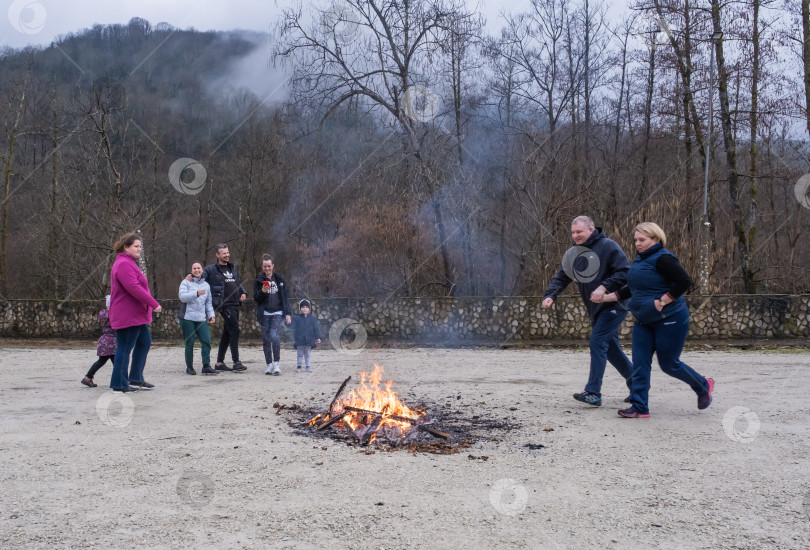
(328, 414)
(331, 421)
(396, 417)
(337, 396)
(414, 421)
(373, 427)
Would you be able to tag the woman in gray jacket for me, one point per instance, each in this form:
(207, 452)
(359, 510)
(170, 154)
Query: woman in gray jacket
(195, 310)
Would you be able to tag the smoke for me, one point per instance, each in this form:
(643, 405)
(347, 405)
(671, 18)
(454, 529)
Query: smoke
(253, 72)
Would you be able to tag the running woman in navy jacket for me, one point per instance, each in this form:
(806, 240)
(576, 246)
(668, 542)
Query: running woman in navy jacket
(656, 283)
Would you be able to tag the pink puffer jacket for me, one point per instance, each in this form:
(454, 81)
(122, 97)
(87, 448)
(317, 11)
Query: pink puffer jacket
(131, 304)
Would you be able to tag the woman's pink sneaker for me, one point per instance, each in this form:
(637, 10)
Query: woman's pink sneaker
(705, 399)
(632, 413)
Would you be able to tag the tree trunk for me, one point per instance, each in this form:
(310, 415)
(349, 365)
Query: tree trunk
(730, 144)
(683, 60)
(686, 98)
(587, 87)
(753, 167)
(806, 58)
(53, 216)
(153, 216)
(244, 226)
(611, 213)
(648, 120)
(208, 219)
(8, 172)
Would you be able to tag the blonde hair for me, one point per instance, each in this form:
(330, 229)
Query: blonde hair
(653, 231)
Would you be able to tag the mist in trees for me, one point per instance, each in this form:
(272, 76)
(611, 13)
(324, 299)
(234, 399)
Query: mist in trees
(412, 154)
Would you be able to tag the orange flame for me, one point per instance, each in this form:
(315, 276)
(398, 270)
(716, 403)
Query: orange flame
(372, 397)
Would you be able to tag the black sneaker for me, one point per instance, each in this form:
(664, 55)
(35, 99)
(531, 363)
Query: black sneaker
(222, 367)
(208, 370)
(128, 389)
(190, 370)
(87, 381)
(143, 385)
(238, 366)
(589, 398)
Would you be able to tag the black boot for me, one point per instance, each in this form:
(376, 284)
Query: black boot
(190, 370)
(208, 370)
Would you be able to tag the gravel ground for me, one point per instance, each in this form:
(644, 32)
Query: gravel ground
(205, 461)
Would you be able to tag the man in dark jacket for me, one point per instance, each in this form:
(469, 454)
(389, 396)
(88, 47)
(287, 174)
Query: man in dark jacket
(599, 266)
(227, 295)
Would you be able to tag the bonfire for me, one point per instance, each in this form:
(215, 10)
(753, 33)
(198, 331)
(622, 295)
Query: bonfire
(373, 411)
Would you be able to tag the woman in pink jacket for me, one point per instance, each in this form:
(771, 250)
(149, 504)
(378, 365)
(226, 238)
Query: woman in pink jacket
(131, 307)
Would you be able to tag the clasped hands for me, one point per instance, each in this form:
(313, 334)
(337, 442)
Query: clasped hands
(600, 295)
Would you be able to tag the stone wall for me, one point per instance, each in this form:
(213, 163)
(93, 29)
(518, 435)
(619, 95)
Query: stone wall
(441, 320)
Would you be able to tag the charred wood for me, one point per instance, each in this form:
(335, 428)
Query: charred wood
(331, 421)
(396, 417)
(337, 395)
(373, 427)
(434, 433)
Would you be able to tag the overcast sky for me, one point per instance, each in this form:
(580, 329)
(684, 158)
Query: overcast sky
(38, 22)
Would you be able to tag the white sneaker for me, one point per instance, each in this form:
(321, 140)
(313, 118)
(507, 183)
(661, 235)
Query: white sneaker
(276, 368)
(269, 369)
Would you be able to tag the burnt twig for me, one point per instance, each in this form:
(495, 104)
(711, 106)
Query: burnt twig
(337, 396)
(434, 433)
(331, 421)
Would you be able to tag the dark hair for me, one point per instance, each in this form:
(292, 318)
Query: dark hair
(198, 262)
(266, 258)
(220, 246)
(125, 241)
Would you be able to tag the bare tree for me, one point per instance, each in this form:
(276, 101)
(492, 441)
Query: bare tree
(740, 221)
(806, 58)
(16, 107)
(753, 167)
(536, 46)
(380, 52)
(653, 40)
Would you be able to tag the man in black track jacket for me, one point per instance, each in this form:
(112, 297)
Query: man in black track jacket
(599, 266)
(227, 295)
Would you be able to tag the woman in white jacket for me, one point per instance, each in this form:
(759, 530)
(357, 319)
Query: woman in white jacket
(196, 309)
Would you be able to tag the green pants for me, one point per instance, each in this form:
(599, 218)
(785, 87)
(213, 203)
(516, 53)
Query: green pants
(192, 330)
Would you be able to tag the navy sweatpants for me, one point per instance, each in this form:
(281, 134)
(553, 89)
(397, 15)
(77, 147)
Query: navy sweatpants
(665, 338)
(605, 347)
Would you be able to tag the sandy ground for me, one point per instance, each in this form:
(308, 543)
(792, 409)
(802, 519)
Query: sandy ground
(204, 462)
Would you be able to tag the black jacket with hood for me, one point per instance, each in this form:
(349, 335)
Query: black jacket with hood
(610, 270)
